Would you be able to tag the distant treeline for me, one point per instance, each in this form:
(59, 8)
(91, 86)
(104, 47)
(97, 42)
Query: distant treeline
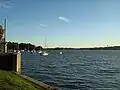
(106, 48)
(102, 48)
(30, 47)
(22, 46)
(94, 48)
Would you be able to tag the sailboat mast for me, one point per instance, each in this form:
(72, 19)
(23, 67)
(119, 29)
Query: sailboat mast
(45, 41)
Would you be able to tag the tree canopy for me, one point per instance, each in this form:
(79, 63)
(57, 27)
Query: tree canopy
(22, 46)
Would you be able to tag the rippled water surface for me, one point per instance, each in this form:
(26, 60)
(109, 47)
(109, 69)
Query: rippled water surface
(75, 69)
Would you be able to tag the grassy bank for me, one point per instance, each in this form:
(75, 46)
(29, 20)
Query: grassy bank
(11, 81)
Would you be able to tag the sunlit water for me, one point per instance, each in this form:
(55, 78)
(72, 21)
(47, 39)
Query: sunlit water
(75, 69)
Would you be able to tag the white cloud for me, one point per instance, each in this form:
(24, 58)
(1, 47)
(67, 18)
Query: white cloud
(63, 19)
(43, 25)
(6, 3)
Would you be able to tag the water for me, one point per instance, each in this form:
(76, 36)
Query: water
(75, 69)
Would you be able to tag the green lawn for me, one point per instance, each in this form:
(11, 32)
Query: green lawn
(11, 81)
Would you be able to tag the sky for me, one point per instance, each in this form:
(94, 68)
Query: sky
(64, 23)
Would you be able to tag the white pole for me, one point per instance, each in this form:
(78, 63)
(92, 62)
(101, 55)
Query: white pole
(5, 44)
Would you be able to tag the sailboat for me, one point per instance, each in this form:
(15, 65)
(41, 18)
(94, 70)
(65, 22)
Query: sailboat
(44, 53)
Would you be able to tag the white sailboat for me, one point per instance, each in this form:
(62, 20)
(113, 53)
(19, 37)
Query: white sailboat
(44, 53)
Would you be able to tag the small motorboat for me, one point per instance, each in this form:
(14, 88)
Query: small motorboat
(44, 53)
(61, 53)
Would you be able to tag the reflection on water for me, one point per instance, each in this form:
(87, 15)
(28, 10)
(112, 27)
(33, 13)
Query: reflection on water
(75, 69)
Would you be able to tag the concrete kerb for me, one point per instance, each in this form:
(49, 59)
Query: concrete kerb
(49, 87)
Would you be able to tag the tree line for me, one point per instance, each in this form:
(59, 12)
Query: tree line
(22, 46)
(30, 47)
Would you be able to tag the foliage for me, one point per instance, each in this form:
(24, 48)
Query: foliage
(38, 48)
(22, 46)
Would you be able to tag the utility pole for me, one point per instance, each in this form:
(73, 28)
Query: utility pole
(5, 43)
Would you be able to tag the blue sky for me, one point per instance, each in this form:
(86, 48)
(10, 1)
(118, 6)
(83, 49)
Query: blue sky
(65, 23)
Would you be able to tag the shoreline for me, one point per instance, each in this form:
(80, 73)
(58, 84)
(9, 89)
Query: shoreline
(46, 86)
(10, 80)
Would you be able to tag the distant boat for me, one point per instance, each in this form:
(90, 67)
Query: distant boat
(18, 51)
(33, 51)
(14, 50)
(61, 53)
(44, 53)
(40, 52)
(22, 50)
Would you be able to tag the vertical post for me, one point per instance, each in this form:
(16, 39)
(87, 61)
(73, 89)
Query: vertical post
(45, 42)
(27, 47)
(5, 44)
(18, 64)
(18, 47)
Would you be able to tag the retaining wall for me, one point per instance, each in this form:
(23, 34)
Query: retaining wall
(10, 62)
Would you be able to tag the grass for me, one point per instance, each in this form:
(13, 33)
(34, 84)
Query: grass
(11, 81)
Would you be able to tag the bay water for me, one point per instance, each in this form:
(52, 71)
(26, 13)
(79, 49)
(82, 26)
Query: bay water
(75, 69)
